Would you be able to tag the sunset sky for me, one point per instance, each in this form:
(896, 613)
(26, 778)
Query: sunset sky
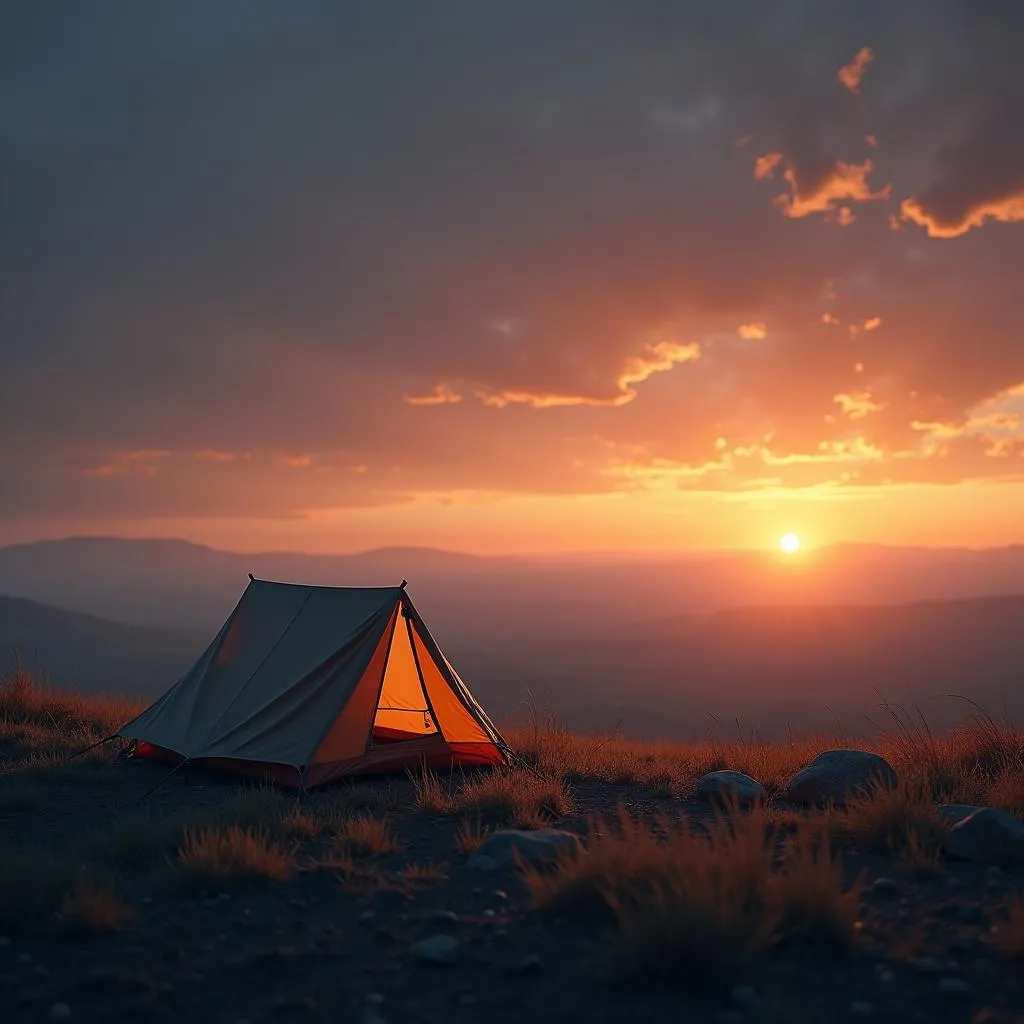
(512, 276)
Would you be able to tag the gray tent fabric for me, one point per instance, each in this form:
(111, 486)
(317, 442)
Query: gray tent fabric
(279, 676)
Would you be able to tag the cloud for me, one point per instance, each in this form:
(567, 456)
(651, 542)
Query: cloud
(764, 166)
(852, 74)
(441, 395)
(657, 358)
(842, 183)
(343, 250)
(941, 224)
(857, 404)
(757, 331)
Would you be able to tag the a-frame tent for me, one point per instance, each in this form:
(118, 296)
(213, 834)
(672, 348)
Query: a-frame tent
(303, 685)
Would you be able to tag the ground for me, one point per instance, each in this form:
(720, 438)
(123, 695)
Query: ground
(209, 901)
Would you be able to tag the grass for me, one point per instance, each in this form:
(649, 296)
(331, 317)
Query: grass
(40, 726)
(232, 857)
(901, 821)
(470, 835)
(504, 797)
(94, 907)
(364, 836)
(416, 876)
(698, 906)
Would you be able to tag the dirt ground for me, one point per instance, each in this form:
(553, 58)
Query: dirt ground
(317, 948)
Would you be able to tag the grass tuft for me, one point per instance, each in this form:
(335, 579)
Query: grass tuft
(232, 857)
(698, 904)
(363, 836)
(94, 907)
(470, 835)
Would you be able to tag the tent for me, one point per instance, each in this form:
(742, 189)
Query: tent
(303, 685)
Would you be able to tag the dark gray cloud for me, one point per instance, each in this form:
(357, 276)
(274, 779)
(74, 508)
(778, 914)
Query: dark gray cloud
(252, 228)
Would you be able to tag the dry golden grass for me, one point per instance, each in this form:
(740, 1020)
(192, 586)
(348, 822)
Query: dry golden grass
(364, 836)
(40, 725)
(469, 835)
(505, 796)
(33, 883)
(94, 907)
(901, 820)
(1008, 937)
(699, 905)
(230, 858)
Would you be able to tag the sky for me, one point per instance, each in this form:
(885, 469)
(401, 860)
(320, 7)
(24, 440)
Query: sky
(512, 276)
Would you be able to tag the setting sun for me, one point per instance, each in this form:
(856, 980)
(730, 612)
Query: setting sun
(790, 543)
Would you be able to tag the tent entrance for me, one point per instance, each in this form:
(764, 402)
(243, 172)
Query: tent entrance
(403, 708)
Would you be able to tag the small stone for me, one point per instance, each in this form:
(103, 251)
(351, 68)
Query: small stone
(489, 914)
(861, 1008)
(884, 887)
(481, 862)
(468, 999)
(445, 918)
(59, 1011)
(885, 975)
(437, 949)
(24, 958)
(745, 996)
(223, 896)
(298, 904)
(373, 999)
(509, 847)
(954, 986)
(367, 916)
(925, 964)
(727, 786)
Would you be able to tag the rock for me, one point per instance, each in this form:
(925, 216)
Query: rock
(437, 949)
(716, 787)
(5, 943)
(861, 1008)
(884, 887)
(503, 849)
(953, 813)
(59, 1011)
(367, 917)
(529, 964)
(954, 986)
(925, 964)
(987, 836)
(837, 774)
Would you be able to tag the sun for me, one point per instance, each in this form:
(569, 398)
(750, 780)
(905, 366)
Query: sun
(789, 543)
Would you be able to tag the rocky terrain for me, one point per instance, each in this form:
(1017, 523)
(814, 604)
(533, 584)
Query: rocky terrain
(605, 882)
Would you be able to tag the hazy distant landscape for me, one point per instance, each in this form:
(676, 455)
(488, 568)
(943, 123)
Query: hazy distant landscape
(673, 646)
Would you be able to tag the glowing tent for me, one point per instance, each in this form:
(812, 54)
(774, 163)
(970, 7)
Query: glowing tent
(308, 684)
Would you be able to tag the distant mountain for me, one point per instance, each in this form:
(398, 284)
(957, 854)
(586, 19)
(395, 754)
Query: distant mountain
(472, 599)
(91, 654)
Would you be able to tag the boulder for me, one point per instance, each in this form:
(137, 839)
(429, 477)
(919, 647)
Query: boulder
(987, 836)
(838, 774)
(718, 786)
(952, 813)
(503, 849)
(437, 949)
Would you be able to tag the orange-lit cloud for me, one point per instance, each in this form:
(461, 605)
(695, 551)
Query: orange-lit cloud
(140, 462)
(845, 217)
(871, 140)
(852, 74)
(441, 395)
(857, 404)
(764, 166)
(1006, 210)
(301, 461)
(757, 331)
(842, 183)
(658, 357)
(873, 323)
(830, 319)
